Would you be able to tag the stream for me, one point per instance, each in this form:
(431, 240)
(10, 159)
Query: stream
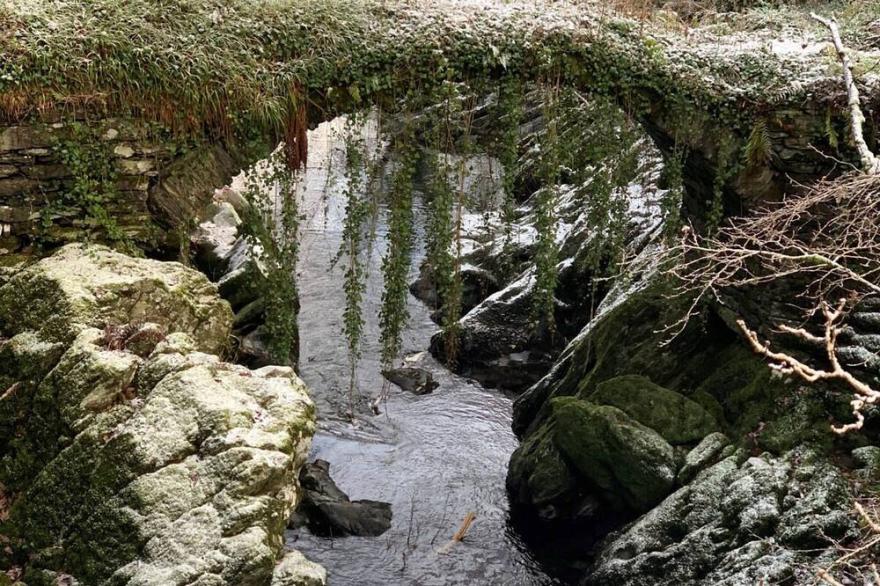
(434, 457)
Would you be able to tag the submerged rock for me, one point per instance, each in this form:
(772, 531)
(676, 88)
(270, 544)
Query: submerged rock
(169, 468)
(412, 379)
(327, 511)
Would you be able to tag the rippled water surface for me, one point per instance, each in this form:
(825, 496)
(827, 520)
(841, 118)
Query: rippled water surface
(434, 458)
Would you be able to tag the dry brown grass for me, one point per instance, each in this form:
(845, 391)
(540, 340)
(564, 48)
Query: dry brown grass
(858, 562)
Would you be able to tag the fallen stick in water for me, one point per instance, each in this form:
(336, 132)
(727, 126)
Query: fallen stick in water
(460, 534)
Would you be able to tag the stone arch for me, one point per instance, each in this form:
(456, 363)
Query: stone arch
(685, 95)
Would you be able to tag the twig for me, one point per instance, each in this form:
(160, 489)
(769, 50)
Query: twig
(465, 525)
(826, 577)
(864, 395)
(460, 534)
(872, 524)
(10, 391)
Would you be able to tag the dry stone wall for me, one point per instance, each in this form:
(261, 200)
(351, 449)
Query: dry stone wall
(149, 191)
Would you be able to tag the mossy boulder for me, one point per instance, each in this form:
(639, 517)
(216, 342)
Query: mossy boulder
(92, 286)
(155, 464)
(628, 464)
(190, 479)
(540, 478)
(590, 462)
(675, 417)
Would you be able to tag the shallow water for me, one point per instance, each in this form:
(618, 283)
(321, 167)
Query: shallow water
(434, 457)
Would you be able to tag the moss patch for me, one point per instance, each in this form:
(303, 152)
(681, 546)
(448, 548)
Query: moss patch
(675, 417)
(630, 464)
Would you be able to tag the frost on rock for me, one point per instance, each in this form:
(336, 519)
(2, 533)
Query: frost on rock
(741, 521)
(498, 340)
(82, 285)
(169, 469)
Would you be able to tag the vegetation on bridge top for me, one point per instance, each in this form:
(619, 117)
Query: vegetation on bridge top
(243, 66)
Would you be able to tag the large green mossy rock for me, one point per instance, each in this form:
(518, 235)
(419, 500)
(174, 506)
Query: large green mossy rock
(539, 477)
(92, 286)
(628, 464)
(627, 338)
(675, 417)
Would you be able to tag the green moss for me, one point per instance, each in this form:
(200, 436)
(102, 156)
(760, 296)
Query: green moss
(538, 474)
(71, 502)
(272, 277)
(245, 67)
(675, 417)
(630, 464)
(93, 189)
(767, 410)
(710, 404)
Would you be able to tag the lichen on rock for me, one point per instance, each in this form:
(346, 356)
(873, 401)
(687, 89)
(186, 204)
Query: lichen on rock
(741, 521)
(91, 286)
(172, 468)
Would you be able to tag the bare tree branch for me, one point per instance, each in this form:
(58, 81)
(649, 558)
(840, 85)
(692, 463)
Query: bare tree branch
(869, 162)
(785, 363)
(824, 244)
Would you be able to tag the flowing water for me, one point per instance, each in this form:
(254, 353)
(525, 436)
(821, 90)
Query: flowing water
(434, 457)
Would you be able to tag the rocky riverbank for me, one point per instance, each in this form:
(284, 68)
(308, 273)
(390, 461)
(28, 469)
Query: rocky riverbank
(131, 453)
(653, 458)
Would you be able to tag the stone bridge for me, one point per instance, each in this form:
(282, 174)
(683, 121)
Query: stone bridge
(177, 103)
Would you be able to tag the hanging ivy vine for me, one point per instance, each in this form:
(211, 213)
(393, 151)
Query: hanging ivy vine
(94, 186)
(393, 314)
(726, 167)
(271, 222)
(441, 223)
(546, 249)
(357, 211)
(671, 202)
(509, 116)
